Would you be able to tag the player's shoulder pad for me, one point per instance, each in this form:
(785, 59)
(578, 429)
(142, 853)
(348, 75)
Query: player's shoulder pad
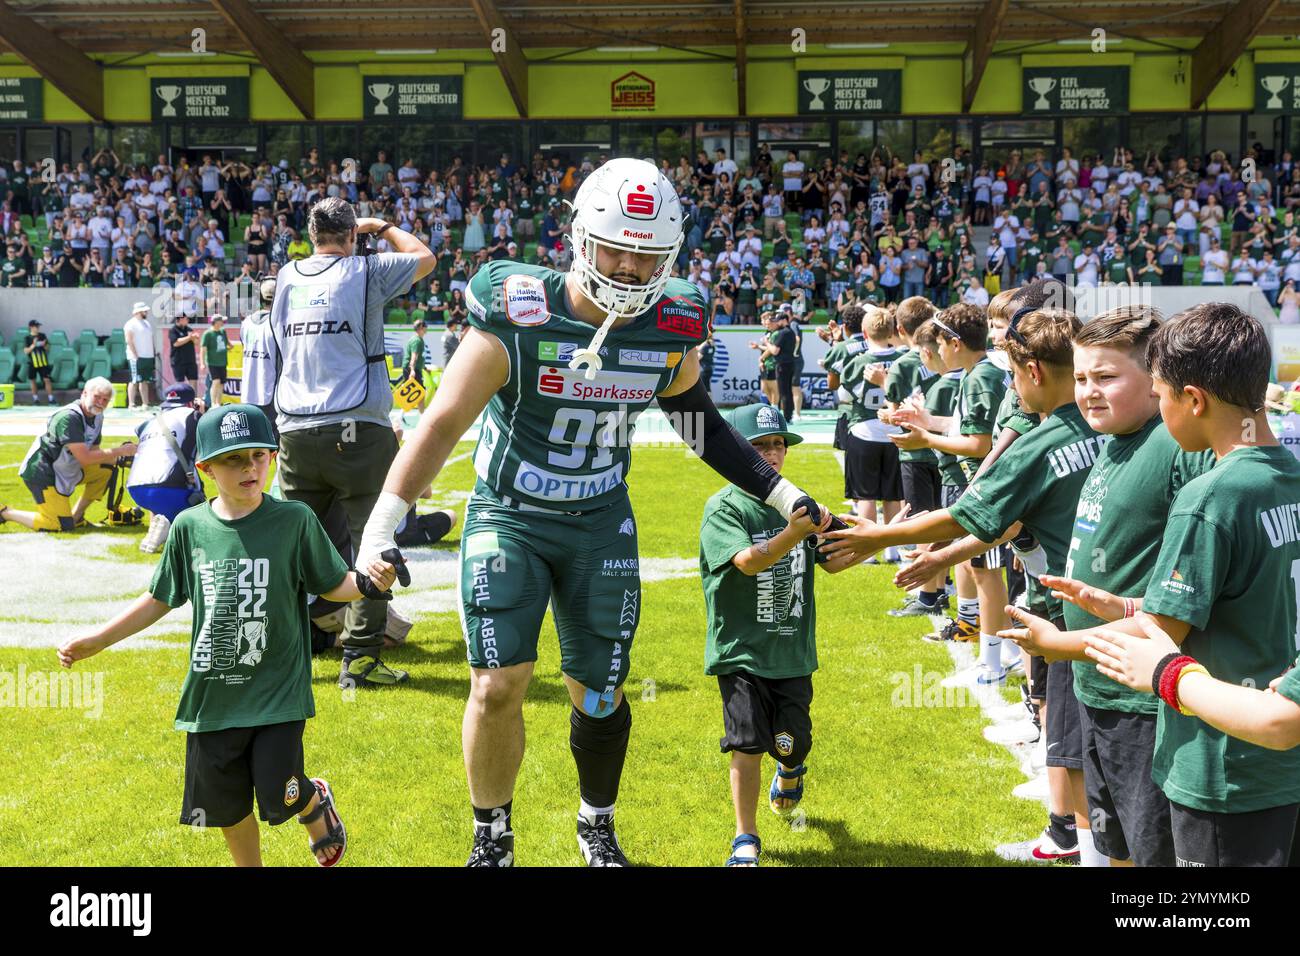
(681, 314)
(505, 295)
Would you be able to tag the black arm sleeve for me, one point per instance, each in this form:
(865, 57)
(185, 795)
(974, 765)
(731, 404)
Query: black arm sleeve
(699, 423)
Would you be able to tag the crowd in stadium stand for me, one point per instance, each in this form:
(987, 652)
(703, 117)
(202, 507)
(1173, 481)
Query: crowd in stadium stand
(794, 229)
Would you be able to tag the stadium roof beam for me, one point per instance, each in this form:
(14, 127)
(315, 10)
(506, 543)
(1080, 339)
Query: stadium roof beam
(284, 61)
(988, 25)
(1219, 49)
(73, 73)
(507, 50)
(741, 65)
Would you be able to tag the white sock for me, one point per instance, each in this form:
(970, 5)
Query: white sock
(991, 652)
(589, 813)
(968, 609)
(1089, 855)
(891, 554)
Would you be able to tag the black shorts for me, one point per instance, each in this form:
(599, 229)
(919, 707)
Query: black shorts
(1037, 678)
(38, 373)
(871, 470)
(798, 371)
(185, 368)
(1128, 812)
(216, 372)
(920, 485)
(948, 495)
(764, 715)
(1259, 838)
(840, 441)
(767, 374)
(224, 768)
(993, 559)
(1064, 730)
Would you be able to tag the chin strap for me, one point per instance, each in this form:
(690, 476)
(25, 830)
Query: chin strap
(589, 357)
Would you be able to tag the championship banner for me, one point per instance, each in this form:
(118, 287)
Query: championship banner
(1277, 87)
(419, 98)
(850, 91)
(22, 98)
(179, 98)
(1074, 90)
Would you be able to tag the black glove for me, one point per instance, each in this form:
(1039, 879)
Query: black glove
(367, 587)
(815, 515)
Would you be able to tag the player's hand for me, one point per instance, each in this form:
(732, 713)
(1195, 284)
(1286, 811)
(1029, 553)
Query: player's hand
(369, 224)
(1087, 598)
(926, 566)
(1035, 635)
(875, 373)
(908, 413)
(375, 578)
(802, 525)
(1127, 659)
(860, 537)
(79, 648)
(912, 439)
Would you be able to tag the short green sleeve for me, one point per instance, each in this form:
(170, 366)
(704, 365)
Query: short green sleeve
(171, 578)
(1000, 497)
(722, 535)
(1289, 685)
(980, 412)
(1190, 570)
(321, 567)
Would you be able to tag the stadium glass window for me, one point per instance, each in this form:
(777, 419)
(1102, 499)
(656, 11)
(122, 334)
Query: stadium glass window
(1223, 132)
(455, 139)
(934, 138)
(716, 134)
(856, 136)
(79, 143)
(337, 143)
(134, 144)
(102, 136)
(283, 142)
(8, 144)
(1161, 135)
(495, 139)
(1267, 130)
(895, 135)
(374, 137)
(638, 139)
(965, 130)
(812, 141)
(1091, 136)
(672, 143)
(38, 144)
(417, 141)
(201, 134)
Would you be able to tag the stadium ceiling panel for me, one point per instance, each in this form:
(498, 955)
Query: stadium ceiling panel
(143, 26)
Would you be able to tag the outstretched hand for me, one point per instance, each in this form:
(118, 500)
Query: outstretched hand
(1095, 601)
(1036, 635)
(1127, 659)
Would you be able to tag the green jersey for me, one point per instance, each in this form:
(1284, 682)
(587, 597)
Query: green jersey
(551, 438)
(413, 356)
(764, 623)
(1117, 537)
(214, 344)
(978, 397)
(907, 377)
(1011, 415)
(1229, 566)
(250, 641)
(1036, 482)
(867, 399)
(48, 462)
(942, 400)
(1289, 686)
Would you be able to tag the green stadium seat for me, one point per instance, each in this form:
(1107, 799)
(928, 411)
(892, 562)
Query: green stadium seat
(63, 366)
(397, 316)
(57, 337)
(1191, 264)
(7, 366)
(117, 355)
(418, 315)
(99, 364)
(83, 348)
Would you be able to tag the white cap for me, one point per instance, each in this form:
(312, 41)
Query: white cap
(140, 307)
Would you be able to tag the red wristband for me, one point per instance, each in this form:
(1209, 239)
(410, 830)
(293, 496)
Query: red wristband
(1130, 607)
(1168, 689)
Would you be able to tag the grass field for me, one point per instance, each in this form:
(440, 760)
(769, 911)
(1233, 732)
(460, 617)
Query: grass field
(888, 784)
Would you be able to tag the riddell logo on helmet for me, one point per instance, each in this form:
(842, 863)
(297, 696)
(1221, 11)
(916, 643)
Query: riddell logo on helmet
(632, 234)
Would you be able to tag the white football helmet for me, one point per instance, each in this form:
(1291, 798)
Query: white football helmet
(626, 204)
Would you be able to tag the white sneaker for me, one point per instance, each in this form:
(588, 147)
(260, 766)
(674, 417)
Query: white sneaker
(1041, 849)
(966, 677)
(156, 537)
(1021, 732)
(1010, 712)
(1034, 761)
(1035, 789)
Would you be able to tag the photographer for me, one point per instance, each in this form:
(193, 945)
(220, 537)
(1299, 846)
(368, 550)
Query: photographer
(163, 479)
(332, 395)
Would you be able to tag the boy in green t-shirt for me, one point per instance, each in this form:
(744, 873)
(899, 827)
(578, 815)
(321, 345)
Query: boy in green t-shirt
(413, 357)
(757, 571)
(247, 562)
(213, 349)
(1223, 588)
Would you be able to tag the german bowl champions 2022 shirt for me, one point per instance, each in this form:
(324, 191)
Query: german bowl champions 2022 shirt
(250, 642)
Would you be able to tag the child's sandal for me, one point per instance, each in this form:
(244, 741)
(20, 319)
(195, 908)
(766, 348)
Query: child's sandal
(775, 792)
(337, 835)
(745, 839)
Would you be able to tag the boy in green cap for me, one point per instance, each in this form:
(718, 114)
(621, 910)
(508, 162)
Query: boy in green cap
(247, 562)
(215, 345)
(758, 589)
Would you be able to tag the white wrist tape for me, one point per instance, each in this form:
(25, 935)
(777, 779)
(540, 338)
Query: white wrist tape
(381, 526)
(783, 497)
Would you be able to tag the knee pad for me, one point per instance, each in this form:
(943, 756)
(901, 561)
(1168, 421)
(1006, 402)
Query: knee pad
(610, 722)
(597, 705)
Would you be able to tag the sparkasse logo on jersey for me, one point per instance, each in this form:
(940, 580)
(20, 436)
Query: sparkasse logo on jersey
(607, 386)
(681, 316)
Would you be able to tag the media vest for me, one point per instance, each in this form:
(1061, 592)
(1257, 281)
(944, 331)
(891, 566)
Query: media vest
(258, 385)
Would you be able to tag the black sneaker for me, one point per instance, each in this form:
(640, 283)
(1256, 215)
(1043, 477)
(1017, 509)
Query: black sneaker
(948, 634)
(598, 843)
(492, 850)
(366, 670)
(914, 608)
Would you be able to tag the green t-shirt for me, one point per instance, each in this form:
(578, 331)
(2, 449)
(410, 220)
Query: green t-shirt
(867, 398)
(48, 462)
(765, 623)
(1117, 270)
(250, 640)
(1289, 686)
(1036, 482)
(214, 348)
(1011, 415)
(414, 349)
(942, 400)
(1118, 524)
(978, 397)
(1229, 566)
(906, 377)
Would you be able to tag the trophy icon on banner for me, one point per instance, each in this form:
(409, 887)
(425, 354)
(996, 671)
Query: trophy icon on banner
(381, 92)
(168, 95)
(1042, 85)
(1274, 85)
(817, 85)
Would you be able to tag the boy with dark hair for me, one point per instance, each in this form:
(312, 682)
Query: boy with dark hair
(246, 561)
(1222, 587)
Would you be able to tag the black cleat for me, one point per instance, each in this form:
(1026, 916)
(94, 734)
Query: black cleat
(492, 850)
(598, 843)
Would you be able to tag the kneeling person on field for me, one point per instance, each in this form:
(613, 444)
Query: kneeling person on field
(247, 562)
(66, 456)
(758, 588)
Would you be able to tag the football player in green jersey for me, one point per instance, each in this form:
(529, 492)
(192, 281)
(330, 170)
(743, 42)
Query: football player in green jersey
(549, 521)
